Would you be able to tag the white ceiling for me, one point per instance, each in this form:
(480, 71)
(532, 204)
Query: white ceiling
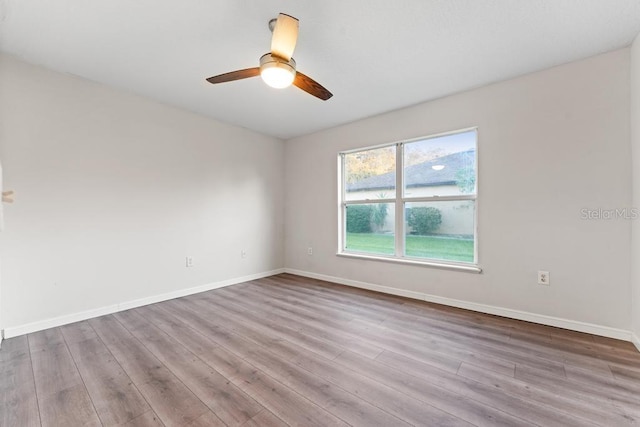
(374, 55)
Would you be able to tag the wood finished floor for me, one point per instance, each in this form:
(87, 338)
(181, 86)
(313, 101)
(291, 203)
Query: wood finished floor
(293, 351)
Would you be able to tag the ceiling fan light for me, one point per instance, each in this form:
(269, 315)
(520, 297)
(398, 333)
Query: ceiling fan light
(277, 77)
(277, 72)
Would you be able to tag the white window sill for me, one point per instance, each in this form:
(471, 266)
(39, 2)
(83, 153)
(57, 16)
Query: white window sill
(468, 268)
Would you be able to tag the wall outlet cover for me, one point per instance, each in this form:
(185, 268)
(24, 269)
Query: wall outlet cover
(543, 278)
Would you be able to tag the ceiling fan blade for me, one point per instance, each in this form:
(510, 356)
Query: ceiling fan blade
(311, 86)
(285, 36)
(235, 75)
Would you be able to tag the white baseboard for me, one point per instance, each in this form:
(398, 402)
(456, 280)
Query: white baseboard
(636, 341)
(40, 325)
(542, 319)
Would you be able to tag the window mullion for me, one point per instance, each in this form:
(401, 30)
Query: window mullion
(399, 213)
(368, 201)
(342, 215)
(441, 198)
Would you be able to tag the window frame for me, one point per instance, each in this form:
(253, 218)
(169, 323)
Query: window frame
(399, 203)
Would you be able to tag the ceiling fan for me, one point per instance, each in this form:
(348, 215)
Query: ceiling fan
(277, 68)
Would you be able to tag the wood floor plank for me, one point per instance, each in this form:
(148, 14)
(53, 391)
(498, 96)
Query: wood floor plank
(277, 398)
(564, 352)
(115, 397)
(69, 407)
(602, 413)
(346, 406)
(54, 371)
(417, 375)
(174, 403)
(625, 373)
(603, 382)
(491, 361)
(208, 419)
(255, 381)
(45, 340)
(75, 333)
(265, 419)
(18, 401)
(519, 342)
(277, 295)
(448, 358)
(330, 397)
(289, 406)
(13, 348)
(405, 408)
(444, 355)
(351, 307)
(234, 368)
(453, 319)
(269, 310)
(62, 396)
(486, 346)
(410, 385)
(616, 344)
(586, 391)
(228, 402)
(371, 303)
(320, 346)
(148, 419)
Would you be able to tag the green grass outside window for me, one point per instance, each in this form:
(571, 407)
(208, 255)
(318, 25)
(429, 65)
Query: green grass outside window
(433, 247)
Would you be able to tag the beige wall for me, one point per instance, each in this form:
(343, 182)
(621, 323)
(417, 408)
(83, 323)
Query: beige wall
(635, 143)
(549, 145)
(114, 191)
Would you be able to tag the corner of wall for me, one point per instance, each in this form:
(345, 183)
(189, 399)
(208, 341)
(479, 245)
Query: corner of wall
(635, 340)
(635, 159)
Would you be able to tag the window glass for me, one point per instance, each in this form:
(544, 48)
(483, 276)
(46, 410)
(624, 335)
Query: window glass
(441, 166)
(440, 230)
(370, 228)
(370, 174)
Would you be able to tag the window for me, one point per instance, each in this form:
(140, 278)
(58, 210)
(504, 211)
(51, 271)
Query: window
(426, 213)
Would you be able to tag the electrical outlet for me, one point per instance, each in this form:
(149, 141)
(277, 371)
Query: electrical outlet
(243, 253)
(189, 261)
(543, 278)
(309, 250)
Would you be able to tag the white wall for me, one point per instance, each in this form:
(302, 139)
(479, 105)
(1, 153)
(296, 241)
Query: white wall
(550, 144)
(635, 144)
(114, 191)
